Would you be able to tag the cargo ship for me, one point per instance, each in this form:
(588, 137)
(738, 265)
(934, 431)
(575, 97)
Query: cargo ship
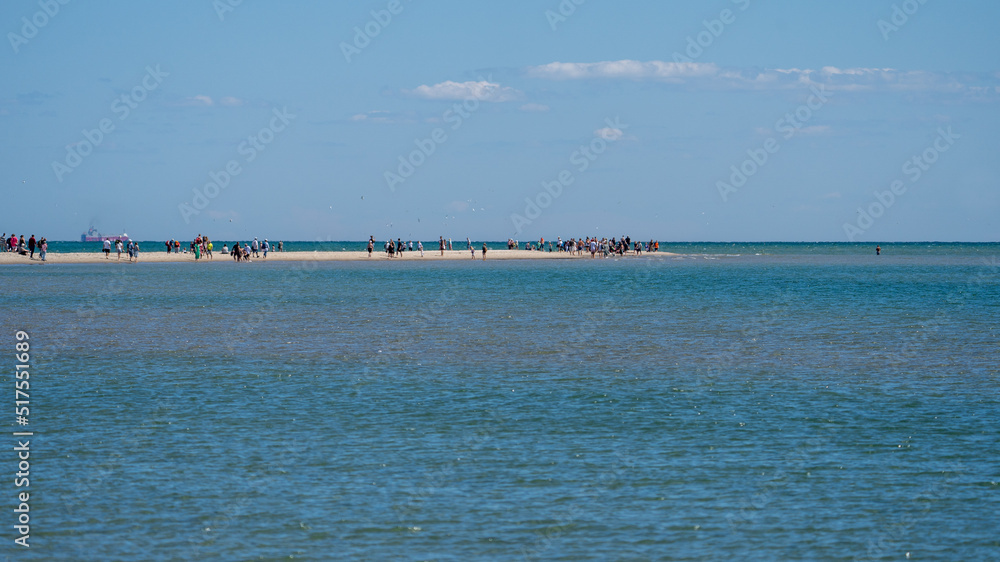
(93, 236)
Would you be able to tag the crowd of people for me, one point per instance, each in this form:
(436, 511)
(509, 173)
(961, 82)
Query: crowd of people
(581, 246)
(203, 246)
(132, 247)
(25, 247)
(395, 249)
(574, 246)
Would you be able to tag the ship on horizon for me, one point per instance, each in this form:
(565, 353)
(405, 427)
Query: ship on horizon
(93, 236)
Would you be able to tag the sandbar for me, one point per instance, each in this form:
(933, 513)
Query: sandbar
(164, 257)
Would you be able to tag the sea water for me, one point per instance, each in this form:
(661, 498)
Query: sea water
(791, 405)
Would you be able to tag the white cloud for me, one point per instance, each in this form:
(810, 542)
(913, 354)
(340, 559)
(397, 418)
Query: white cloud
(708, 75)
(199, 100)
(482, 90)
(534, 107)
(231, 101)
(380, 116)
(623, 69)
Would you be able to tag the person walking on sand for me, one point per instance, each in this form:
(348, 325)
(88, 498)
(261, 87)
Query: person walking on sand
(265, 247)
(208, 248)
(118, 248)
(135, 251)
(43, 249)
(472, 251)
(107, 248)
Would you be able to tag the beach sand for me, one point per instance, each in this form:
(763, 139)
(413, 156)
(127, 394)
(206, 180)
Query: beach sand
(163, 257)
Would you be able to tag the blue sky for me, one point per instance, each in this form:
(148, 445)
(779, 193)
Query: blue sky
(865, 120)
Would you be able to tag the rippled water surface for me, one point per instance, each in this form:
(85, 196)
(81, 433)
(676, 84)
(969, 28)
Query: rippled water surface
(792, 406)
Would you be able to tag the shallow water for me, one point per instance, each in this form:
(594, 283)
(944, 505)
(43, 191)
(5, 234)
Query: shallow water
(792, 406)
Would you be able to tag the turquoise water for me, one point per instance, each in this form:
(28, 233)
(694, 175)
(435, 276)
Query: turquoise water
(787, 406)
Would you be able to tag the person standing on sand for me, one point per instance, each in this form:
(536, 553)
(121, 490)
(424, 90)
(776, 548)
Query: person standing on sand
(43, 248)
(420, 246)
(135, 251)
(31, 247)
(441, 244)
(197, 251)
(265, 247)
(472, 251)
(107, 248)
(118, 248)
(281, 246)
(371, 245)
(208, 248)
(484, 251)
